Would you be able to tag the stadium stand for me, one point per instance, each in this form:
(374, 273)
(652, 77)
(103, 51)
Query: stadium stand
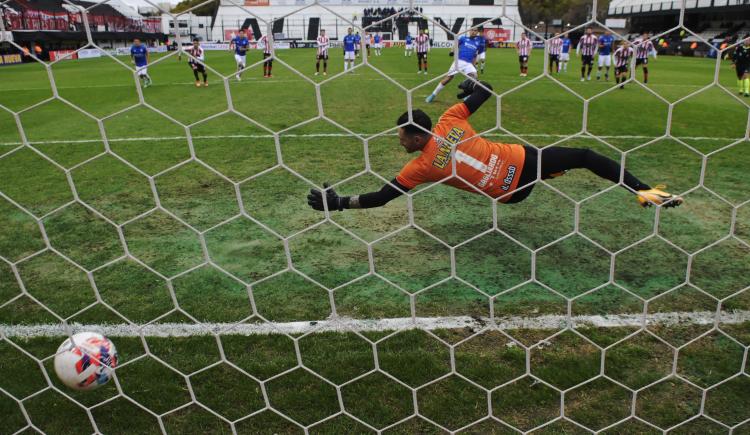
(57, 25)
(710, 19)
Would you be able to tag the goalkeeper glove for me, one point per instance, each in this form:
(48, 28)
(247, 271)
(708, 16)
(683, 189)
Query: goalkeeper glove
(450, 53)
(467, 87)
(333, 200)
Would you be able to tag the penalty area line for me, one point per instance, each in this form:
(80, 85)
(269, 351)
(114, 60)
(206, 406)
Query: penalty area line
(314, 135)
(347, 325)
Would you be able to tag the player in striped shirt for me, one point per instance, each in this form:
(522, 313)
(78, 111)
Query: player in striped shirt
(323, 45)
(554, 48)
(587, 48)
(266, 45)
(622, 62)
(452, 153)
(523, 47)
(423, 46)
(643, 49)
(196, 63)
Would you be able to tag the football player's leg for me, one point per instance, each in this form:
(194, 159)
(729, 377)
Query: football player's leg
(440, 86)
(557, 160)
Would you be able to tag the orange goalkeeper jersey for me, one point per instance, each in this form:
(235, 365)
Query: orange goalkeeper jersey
(493, 168)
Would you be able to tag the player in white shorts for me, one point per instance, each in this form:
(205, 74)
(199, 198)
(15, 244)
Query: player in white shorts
(240, 45)
(605, 60)
(463, 67)
(350, 47)
(464, 63)
(408, 45)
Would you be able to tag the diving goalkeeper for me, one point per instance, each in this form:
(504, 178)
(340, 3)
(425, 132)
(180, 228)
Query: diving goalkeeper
(502, 171)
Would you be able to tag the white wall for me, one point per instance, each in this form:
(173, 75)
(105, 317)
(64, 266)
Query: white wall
(296, 20)
(187, 25)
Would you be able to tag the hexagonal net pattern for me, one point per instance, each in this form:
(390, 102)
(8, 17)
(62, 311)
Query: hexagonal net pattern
(177, 226)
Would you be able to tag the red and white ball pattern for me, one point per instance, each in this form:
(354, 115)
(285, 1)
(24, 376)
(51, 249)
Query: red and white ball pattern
(85, 361)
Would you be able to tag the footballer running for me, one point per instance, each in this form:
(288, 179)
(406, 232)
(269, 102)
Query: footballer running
(240, 44)
(464, 62)
(139, 56)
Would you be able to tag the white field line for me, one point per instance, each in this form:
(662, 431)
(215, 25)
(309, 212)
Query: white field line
(246, 79)
(545, 322)
(313, 135)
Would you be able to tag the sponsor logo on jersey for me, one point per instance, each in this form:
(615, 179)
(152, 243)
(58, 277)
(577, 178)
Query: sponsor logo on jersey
(444, 147)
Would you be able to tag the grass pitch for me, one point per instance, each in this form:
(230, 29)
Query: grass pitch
(214, 163)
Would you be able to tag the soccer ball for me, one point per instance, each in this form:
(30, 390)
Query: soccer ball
(85, 361)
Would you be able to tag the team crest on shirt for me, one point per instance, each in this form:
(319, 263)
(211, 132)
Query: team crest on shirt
(444, 145)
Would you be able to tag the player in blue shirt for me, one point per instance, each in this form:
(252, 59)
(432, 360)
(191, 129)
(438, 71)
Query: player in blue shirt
(606, 41)
(350, 47)
(481, 51)
(357, 41)
(376, 39)
(240, 45)
(139, 56)
(565, 55)
(464, 62)
(408, 45)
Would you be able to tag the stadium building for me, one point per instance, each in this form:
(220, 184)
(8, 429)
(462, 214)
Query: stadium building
(709, 19)
(456, 15)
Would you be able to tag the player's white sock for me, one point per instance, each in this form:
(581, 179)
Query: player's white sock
(346, 65)
(438, 89)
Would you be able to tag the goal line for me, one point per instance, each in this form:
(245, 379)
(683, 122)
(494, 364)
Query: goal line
(345, 324)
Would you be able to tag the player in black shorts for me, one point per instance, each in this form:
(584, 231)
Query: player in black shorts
(554, 59)
(741, 63)
(196, 63)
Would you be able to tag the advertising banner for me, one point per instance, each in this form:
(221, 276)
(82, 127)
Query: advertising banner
(89, 53)
(496, 34)
(214, 46)
(10, 59)
(60, 54)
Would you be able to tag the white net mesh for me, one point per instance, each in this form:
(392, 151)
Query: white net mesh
(679, 343)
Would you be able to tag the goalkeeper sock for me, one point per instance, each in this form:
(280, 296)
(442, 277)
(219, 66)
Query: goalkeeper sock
(747, 85)
(740, 84)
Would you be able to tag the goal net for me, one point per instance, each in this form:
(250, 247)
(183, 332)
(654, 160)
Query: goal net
(164, 204)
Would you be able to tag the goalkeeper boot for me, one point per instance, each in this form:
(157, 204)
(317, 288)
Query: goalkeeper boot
(656, 196)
